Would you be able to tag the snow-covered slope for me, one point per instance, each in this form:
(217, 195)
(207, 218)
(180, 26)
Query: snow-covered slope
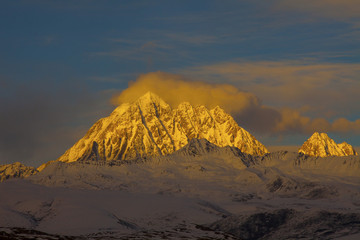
(200, 161)
(207, 165)
(29, 211)
(100, 214)
(149, 127)
(15, 170)
(201, 191)
(321, 145)
(297, 163)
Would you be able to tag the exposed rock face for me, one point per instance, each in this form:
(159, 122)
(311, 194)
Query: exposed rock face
(320, 145)
(150, 127)
(15, 170)
(347, 149)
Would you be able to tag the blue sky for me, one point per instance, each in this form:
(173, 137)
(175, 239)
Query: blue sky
(62, 61)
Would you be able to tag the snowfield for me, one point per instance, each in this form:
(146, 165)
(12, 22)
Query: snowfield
(201, 191)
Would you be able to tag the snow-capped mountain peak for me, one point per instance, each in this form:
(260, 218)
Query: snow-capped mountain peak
(149, 126)
(151, 103)
(321, 145)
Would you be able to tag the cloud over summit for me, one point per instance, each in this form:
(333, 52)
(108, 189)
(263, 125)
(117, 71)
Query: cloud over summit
(245, 107)
(175, 89)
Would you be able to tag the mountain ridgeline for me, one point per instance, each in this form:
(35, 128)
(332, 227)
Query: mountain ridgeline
(150, 127)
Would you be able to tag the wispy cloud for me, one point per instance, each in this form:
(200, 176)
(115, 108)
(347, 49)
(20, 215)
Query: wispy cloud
(292, 83)
(137, 50)
(167, 39)
(158, 46)
(88, 5)
(191, 38)
(334, 9)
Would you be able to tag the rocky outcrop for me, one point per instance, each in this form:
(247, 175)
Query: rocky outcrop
(15, 170)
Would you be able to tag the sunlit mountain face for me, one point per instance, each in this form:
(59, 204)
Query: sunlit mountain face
(319, 144)
(149, 127)
(179, 120)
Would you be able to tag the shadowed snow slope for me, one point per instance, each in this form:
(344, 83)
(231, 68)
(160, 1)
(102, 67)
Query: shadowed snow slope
(202, 162)
(320, 145)
(289, 224)
(149, 127)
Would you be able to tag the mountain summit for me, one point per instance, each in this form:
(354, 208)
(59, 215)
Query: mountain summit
(149, 126)
(321, 145)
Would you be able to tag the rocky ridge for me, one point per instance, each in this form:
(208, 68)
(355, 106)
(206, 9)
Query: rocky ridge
(15, 170)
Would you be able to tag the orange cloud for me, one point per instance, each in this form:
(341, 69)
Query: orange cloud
(245, 107)
(344, 125)
(292, 83)
(293, 121)
(175, 89)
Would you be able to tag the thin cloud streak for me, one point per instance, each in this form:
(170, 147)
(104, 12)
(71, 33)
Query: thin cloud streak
(162, 41)
(334, 9)
(192, 39)
(135, 49)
